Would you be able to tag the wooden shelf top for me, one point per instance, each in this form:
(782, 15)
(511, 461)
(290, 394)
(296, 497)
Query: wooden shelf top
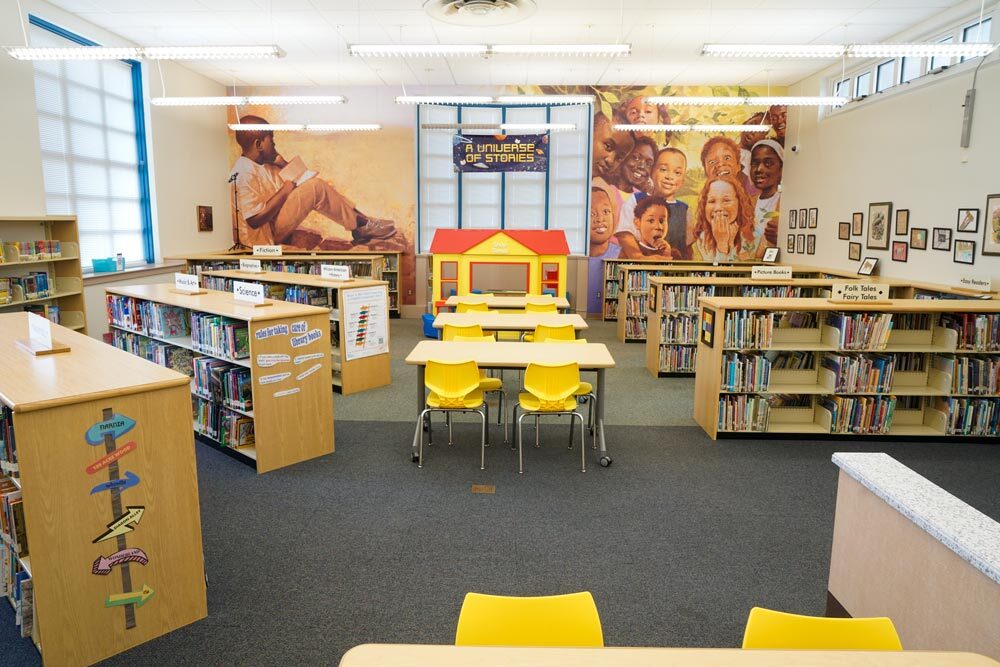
(513, 355)
(246, 254)
(890, 306)
(512, 322)
(286, 278)
(711, 280)
(216, 303)
(37, 218)
(90, 370)
(506, 301)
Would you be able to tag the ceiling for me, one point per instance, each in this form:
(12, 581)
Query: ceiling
(666, 35)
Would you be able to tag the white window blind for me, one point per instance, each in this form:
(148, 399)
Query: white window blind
(89, 148)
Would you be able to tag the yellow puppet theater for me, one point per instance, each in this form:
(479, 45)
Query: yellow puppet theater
(511, 261)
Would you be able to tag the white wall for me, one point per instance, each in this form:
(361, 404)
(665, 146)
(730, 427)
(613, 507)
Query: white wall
(900, 146)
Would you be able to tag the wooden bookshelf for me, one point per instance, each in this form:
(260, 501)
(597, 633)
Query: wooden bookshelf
(64, 271)
(349, 375)
(924, 399)
(86, 608)
(292, 415)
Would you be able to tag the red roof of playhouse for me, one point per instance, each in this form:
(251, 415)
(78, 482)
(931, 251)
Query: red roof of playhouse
(457, 241)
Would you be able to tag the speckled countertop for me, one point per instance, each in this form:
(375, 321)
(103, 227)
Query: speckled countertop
(965, 530)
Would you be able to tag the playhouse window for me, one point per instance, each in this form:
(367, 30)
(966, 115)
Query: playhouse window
(550, 278)
(449, 279)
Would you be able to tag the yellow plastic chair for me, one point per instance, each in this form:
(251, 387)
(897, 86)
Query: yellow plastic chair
(769, 629)
(472, 307)
(551, 621)
(488, 385)
(453, 387)
(468, 331)
(550, 389)
(543, 307)
(543, 332)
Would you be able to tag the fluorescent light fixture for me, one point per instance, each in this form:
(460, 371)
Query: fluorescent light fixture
(774, 50)
(691, 128)
(965, 50)
(238, 100)
(501, 128)
(417, 50)
(544, 99)
(310, 127)
(750, 101)
(499, 99)
(444, 99)
(144, 52)
(543, 127)
(599, 50)
(343, 127)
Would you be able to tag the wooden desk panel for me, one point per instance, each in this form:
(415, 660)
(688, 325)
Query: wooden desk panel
(506, 301)
(512, 322)
(512, 355)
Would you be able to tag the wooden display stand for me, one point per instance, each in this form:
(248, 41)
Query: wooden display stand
(292, 415)
(64, 271)
(928, 389)
(110, 495)
(349, 376)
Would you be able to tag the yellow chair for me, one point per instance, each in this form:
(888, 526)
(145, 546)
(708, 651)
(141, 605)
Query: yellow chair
(488, 385)
(543, 307)
(453, 387)
(469, 331)
(769, 629)
(551, 621)
(550, 389)
(585, 392)
(543, 332)
(472, 307)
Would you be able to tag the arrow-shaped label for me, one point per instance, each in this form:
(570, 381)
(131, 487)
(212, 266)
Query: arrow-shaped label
(108, 459)
(138, 598)
(104, 564)
(126, 523)
(118, 425)
(130, 479)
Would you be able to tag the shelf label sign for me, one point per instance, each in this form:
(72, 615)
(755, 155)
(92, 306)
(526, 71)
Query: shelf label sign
(39, 331)
(770, 273)
(117, 425)
(335, 271)
(859, 292)
(267, 251)
(103, 564)
(248, 292)
(250, 266)
(130, 480)
(977, 283)
(126, 523)
(186, 282)
(138, 598)
(108, 459)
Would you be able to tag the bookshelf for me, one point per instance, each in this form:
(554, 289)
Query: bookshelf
(348, 375)
(289, 416)
(905, 367)
(380, 265)
(93, 595)
(25, 255)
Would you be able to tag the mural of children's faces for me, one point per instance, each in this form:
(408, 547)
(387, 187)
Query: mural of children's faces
(636, 168)
(610, 148)
(668, 173)
(638, 112)
(722, 203)
(720, 157)
(652, 226)
(777, 118)
(765, 170)
(748, 139)
(602, 224)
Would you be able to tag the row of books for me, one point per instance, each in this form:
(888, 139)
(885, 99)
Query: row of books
(973, 416)
(35, 285)
(220, 336)
(164, 354)
(908, 321)
(309, 296)
(792, 360)
(859, 414)
(975, 375)
(743, 412)
(48, 311)
(12, 529)
(854, 372)
(147, 317)
(393, 300)
(219, 381)
(611, 289)
(976, 332)
(745, 372)
(635, 306)
(680, 329)
(683, 298)
(772, 291)
(228, 428)
(359, 268)
(16, 583)
(861, 331)
(31, 251)
(8, 445)
(798, 320)
(677, 359)
(611, 310)
(635, 328)
(638, 281)
(748, 329)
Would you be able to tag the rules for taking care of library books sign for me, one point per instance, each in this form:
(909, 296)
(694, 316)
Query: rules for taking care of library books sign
(500, 152)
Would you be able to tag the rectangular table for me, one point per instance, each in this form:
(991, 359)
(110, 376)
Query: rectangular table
(506, 302)
(510, 322)
(591, 357)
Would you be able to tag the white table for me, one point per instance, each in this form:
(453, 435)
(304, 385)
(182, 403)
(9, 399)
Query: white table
(507, 302)
(510, 322)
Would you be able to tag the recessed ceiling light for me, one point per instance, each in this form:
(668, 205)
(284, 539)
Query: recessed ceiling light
(480, 12)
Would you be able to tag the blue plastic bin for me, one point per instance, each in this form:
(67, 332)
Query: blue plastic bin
(429, 330)
(104, 265)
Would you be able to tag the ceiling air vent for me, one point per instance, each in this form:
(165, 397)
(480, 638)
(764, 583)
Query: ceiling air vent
(480, 12)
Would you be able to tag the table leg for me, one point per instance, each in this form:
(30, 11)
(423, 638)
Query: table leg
(605, 459)
(420, 407)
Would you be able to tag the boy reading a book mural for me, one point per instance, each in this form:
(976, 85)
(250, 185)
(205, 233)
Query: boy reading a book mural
(274, 197)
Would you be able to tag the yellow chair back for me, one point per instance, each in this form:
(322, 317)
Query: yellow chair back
(452, 381)
(557, 620)
(452, 330)
(769, 629)
(532, 307)
(552, 384)
(471, 307)
(474, 339)
(563, 332)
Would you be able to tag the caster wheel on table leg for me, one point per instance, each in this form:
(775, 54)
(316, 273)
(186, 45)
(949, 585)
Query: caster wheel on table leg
(605, 461)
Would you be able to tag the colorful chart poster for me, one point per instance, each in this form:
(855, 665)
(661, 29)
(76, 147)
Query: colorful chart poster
(366, 322)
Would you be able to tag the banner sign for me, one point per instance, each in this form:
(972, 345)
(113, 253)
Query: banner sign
(500, 152)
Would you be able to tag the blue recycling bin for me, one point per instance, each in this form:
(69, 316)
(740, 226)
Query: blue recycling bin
(429, 330)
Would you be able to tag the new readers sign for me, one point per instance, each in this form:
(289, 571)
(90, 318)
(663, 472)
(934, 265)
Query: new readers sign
(500, 152)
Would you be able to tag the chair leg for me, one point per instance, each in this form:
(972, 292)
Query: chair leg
(520, 448)
(569, 445)
(513, 418)
(486, 407)
(420, 449)
(482, 446)
(503, 415)
(583, 446)
(430, 430)
(537, 445)
(447, 417)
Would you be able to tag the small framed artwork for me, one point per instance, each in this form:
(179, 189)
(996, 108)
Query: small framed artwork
(900, 251)
(793, 218)
(902, 221)
(857, 224)
(803, 218)
(941, 239)
(854, 251)
(811, 244)
(800, 243)
(708, 327)
(868, 265)
(790, 244)
(991, 230)
(918, 238)
(204, 218)
(770, 255)
(965, 252)
(813, 218)
(843, 231)
(968, 220)
(878, 225)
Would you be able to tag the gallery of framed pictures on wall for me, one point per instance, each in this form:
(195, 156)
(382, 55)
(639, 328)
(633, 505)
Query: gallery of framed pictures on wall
(941, 239)
(790, 245)
(793, 217)
(867, 267)
(968, 220)
(965, 252)
(813, 218)
(843, 231)
(854, 251)
(918, 238)
(878, 225)
(857, 224)
(803, 217)
(800, 243)
(991, 230)
(899, 251)
(902, 221)
(811, 244)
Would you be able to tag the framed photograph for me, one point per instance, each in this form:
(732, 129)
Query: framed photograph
(813, 218)
(790, 244)
(800, 243)
(941, 240)
(991, 230)
(803, 218)
(843, 230)
(867, 267)
(968, 220)
(793, 217)
(857, 224)
(708, 327)
(204, 218)
(878, 225)
(900, 251)
(854, 251)
(811, 244)
(902, 221)
(965, 252)
(918, 238)
(770, 255)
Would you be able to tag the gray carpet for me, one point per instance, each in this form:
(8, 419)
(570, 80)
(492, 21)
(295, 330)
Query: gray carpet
(677, 540)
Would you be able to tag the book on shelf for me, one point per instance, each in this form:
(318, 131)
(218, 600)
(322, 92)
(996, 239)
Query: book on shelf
(771, 291)
(798, 320)
(48, 311)
(679, 329)
(979, 332)
(32, 251)
(8, 444)
(861, 331)
(675, 298)
(743, 412)
(863, 415)
(745, 372)
(677, 358)
(164, 321)
(971, 375)
(972, 416)
(220, 336)
(229, 429)
(749, 329)
(791, 360)
(12, 528)
(855, 372)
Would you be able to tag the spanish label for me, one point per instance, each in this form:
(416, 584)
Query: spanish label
(267, 332)
(859, 292)
(267, 251)
(108, 459)
(271, 379)
(40, 331)
(250, 266)
(309, 371)
(130, 480)
(248, 292)
(268, 360)
(303, 358)
(186, 282)
(300, 327)
(335, 271)
(126, 523)
(311, 337)
(103, 564)
(118, 425)
(770, 273)
(286, 392)
(976, 283)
